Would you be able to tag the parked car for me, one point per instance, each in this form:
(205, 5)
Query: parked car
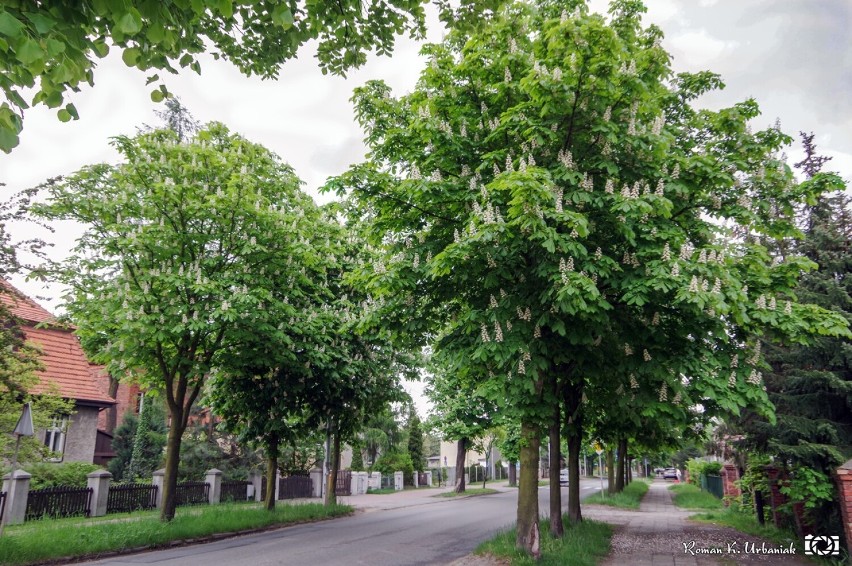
(670, 474)
(563, 477)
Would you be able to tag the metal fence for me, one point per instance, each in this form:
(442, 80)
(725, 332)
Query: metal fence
(234, 490)
(295, 486)
(713, 484)
(343, 485)
(124, 498)
(60, 501)
(192, 493)
(387, 481)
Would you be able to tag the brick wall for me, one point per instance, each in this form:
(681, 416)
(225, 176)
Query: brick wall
(127, 399)
(843, 477)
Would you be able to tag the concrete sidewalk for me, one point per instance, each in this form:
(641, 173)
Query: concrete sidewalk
(409, 497)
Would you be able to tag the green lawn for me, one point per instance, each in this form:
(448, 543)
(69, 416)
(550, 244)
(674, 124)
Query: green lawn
(627, 499)
(582, 545)
(690, 496)
(468, 492)
(38, 541)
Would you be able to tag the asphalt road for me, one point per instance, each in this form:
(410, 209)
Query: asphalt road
(430, 531)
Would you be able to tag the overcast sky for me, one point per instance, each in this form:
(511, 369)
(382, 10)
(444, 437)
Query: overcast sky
(793, 56)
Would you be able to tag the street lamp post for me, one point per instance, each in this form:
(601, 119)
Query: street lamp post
(599, 450)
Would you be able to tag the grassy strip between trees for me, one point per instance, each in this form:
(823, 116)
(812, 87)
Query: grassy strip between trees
(383, 491)
(47, 540)
(627, 499)
(746, 522)
(468, 492)
(691, 496)
(581, 545)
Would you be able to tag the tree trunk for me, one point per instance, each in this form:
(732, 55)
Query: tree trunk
(112, 412)
(572, 401)
(556, 528)
(271, 473)
(528, 536)
(461, 452)
(610, 471)
(167, 513)
(331, 492)
(622, 458)
(513, 476)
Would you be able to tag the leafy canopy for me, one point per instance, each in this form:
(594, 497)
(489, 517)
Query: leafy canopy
(53, 46)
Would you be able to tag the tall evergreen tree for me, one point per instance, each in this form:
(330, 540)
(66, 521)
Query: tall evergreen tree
(811, 386)
(415, 440)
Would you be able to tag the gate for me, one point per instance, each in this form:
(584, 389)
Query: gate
(343, 485)
(712, 484)
(422, 479)
(295, 486)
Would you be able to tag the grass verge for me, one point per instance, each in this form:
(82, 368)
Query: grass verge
(468, 492)
(384, 491)
(691, 496)
(45, 540)
(745, 522)
(581, 545)
(627, 499)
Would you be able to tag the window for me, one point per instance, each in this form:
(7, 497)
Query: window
(54, 438)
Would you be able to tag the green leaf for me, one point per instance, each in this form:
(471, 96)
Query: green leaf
(54, 47)
(72, 110)
(157, 96)
(282, 16)
(10, 25)
(8, 139)
(64, 115)
(28, 51)
(130, 56)
(130, 23)
(101, 48)
(41, 22)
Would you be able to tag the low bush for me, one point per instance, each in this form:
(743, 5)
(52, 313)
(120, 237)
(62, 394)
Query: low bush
(46, 474)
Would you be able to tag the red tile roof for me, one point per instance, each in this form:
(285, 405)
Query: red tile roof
(65, 364)
(22, 306)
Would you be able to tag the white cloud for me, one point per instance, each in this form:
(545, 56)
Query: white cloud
(700, 48)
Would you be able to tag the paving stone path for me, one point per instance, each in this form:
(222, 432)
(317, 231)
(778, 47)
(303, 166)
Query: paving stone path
(659, 534)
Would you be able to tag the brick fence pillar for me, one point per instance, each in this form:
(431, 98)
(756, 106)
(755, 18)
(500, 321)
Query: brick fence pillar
(730, 475)
(776, 498)
(843, 477)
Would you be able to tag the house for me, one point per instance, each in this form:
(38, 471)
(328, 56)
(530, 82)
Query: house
(66, 367)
